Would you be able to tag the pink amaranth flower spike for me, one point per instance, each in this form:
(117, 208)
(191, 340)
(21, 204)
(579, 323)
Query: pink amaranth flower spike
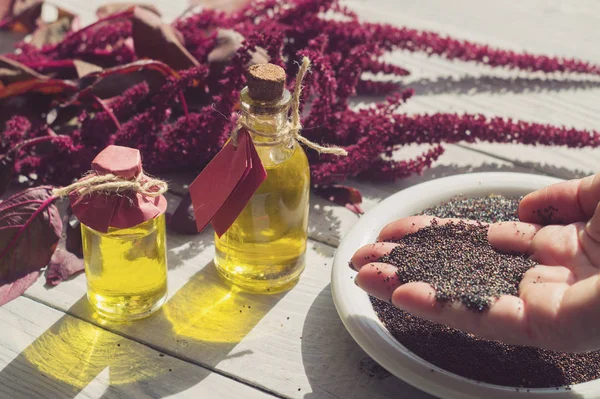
(180, 122)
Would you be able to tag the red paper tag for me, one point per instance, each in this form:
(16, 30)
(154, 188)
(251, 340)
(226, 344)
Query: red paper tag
(224, 187)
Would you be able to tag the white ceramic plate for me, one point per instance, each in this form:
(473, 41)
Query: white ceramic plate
(358, 316)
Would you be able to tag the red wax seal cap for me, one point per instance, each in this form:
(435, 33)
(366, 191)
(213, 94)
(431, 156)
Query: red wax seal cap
(100, 210)
(124, 162)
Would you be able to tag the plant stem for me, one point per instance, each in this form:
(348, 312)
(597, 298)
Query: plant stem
(37, 140)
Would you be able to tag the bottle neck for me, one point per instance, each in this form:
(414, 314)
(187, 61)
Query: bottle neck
(267, 121)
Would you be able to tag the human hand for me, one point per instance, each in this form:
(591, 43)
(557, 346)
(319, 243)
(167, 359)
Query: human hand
(558, 306)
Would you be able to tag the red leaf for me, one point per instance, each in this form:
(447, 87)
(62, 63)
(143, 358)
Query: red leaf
(63, 265)
(66, 260)
(156, 40)
(12, 71)
(23, 16)
(342, 195)
(103, 86)
(30, 227)
(55, 87)
(8, 292)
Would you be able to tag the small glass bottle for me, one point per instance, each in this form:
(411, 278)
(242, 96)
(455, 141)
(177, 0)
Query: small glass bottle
(124, 241)
(126, 269)
(264, 249)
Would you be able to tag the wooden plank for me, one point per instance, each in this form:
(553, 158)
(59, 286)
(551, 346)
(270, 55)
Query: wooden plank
(47, 354)
(538, 26)
(251, 337)
(293, 343)
(202, 322)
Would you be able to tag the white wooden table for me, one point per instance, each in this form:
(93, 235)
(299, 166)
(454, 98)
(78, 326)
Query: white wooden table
(209, 342)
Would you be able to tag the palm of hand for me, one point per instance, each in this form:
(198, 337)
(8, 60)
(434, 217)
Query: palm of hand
(558, 306)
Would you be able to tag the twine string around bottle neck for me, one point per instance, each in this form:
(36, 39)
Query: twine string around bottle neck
(292, 129)
(112, 184)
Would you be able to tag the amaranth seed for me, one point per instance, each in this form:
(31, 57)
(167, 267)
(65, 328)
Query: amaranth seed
(459, 263)
(479, 359)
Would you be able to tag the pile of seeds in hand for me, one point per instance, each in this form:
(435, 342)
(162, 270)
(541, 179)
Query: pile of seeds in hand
(458, 352)
(459, 263)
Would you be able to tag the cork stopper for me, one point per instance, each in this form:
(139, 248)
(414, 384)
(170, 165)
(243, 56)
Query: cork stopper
(265, 82)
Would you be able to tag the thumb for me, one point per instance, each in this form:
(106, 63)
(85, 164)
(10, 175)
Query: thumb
(562, 203)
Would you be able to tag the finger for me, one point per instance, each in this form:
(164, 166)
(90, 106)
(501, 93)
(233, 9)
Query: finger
(592, 227)
(562, 203)
(399, 228)
(589, 238)
(513, 236)
(504, 321)
(378, 279)
(541, 274)
(371, 253)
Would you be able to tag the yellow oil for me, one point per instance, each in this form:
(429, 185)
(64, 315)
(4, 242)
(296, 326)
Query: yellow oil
(126, 269)
(264, 249)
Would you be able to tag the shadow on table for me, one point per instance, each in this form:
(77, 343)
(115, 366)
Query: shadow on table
(324, 225)
(71, 354)
(181, 247)
(557, 171)
(379, 191)
(336, 367)
(498, 85)
(470, 85)
(202, 323)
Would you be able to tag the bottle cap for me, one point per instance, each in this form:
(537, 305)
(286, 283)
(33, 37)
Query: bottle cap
(103, 210)
(124, 162)
(266, 82)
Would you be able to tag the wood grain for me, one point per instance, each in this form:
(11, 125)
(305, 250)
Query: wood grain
(543, 27)
(47, 354)
(294, 344)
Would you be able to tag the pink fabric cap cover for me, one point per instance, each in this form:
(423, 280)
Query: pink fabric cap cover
(100, 211)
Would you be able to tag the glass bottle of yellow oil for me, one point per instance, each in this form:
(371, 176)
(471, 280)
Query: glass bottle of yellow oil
(126, 269)
(264, 249)
(122, 215)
